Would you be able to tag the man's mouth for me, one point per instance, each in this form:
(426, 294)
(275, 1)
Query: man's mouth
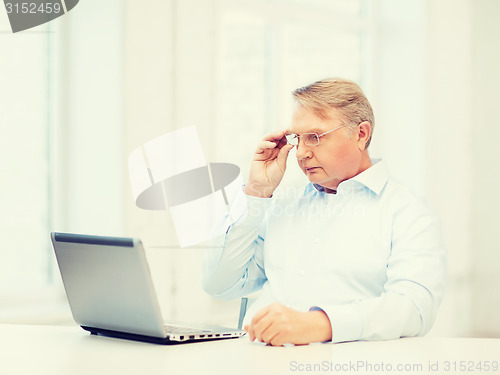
(311, 169)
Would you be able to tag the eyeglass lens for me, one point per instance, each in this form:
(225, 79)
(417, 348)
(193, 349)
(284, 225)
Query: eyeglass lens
(292, 139)
(310, 139)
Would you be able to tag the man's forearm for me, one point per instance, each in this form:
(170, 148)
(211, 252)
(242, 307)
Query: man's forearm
(241, 255)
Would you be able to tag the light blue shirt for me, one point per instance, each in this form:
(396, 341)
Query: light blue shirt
(370, 256)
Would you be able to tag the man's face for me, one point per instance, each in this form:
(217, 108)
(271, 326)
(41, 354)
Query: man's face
(336, 158)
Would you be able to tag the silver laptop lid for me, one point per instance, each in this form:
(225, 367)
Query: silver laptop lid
(108, 283)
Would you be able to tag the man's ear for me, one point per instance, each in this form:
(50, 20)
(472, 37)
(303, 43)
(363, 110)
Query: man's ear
(364, 132)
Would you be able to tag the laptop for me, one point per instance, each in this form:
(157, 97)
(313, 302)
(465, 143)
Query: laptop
(110, 291)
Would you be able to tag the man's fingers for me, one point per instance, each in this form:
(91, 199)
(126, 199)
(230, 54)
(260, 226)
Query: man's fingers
(253, 324)
(276, 340)
(265, 145)
(259, 315)
(265, 172)
(261, 327)
(275, 136)
(282, 158)
(249, 330)
(283, 154)
(269, 335)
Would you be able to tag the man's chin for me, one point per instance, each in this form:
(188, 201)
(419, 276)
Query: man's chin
(316, 179)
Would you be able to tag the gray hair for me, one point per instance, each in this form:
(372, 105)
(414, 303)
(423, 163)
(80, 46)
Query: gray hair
(342, 94)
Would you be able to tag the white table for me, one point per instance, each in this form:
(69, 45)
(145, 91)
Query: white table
(69, 350)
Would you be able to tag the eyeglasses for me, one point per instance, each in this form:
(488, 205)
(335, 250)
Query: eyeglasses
(310, 139)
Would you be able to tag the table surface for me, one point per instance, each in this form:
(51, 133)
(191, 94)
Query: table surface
(70, 350)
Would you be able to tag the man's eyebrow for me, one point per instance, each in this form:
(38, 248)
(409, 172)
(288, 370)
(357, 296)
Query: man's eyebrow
(314, 130)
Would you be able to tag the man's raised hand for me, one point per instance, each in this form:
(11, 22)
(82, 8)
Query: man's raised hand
(268, 165)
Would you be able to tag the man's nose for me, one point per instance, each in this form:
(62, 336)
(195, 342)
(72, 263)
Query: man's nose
(303, 151)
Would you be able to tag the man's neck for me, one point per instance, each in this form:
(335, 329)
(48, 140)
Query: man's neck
(366, 162)
(363, 166)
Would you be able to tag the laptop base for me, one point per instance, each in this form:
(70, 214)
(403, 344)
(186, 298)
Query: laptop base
(144, 338)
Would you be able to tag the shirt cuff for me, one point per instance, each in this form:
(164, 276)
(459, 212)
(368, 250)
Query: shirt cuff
(256, 210)
(346, 321)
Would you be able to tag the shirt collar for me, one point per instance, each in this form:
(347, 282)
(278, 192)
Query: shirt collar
(374, 178)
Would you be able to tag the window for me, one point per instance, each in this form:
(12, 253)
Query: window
(237, 63)
(25, 78)
(243, 57)
(61, 142)
(266, 49)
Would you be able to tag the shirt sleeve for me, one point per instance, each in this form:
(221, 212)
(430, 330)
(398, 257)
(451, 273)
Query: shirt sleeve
(236, 267)
(416, 275)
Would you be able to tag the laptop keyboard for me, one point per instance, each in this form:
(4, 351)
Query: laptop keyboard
(179, 329)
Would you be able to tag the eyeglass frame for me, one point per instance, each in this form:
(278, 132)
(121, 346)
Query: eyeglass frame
(318, 136)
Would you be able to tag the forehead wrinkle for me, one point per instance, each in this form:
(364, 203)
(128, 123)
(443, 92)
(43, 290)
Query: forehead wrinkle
(328, 118)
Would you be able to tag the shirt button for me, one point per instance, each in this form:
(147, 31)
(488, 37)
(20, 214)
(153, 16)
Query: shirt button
(302, 272)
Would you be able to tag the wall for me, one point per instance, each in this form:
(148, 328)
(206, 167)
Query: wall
(485, 176)
(448, 165)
